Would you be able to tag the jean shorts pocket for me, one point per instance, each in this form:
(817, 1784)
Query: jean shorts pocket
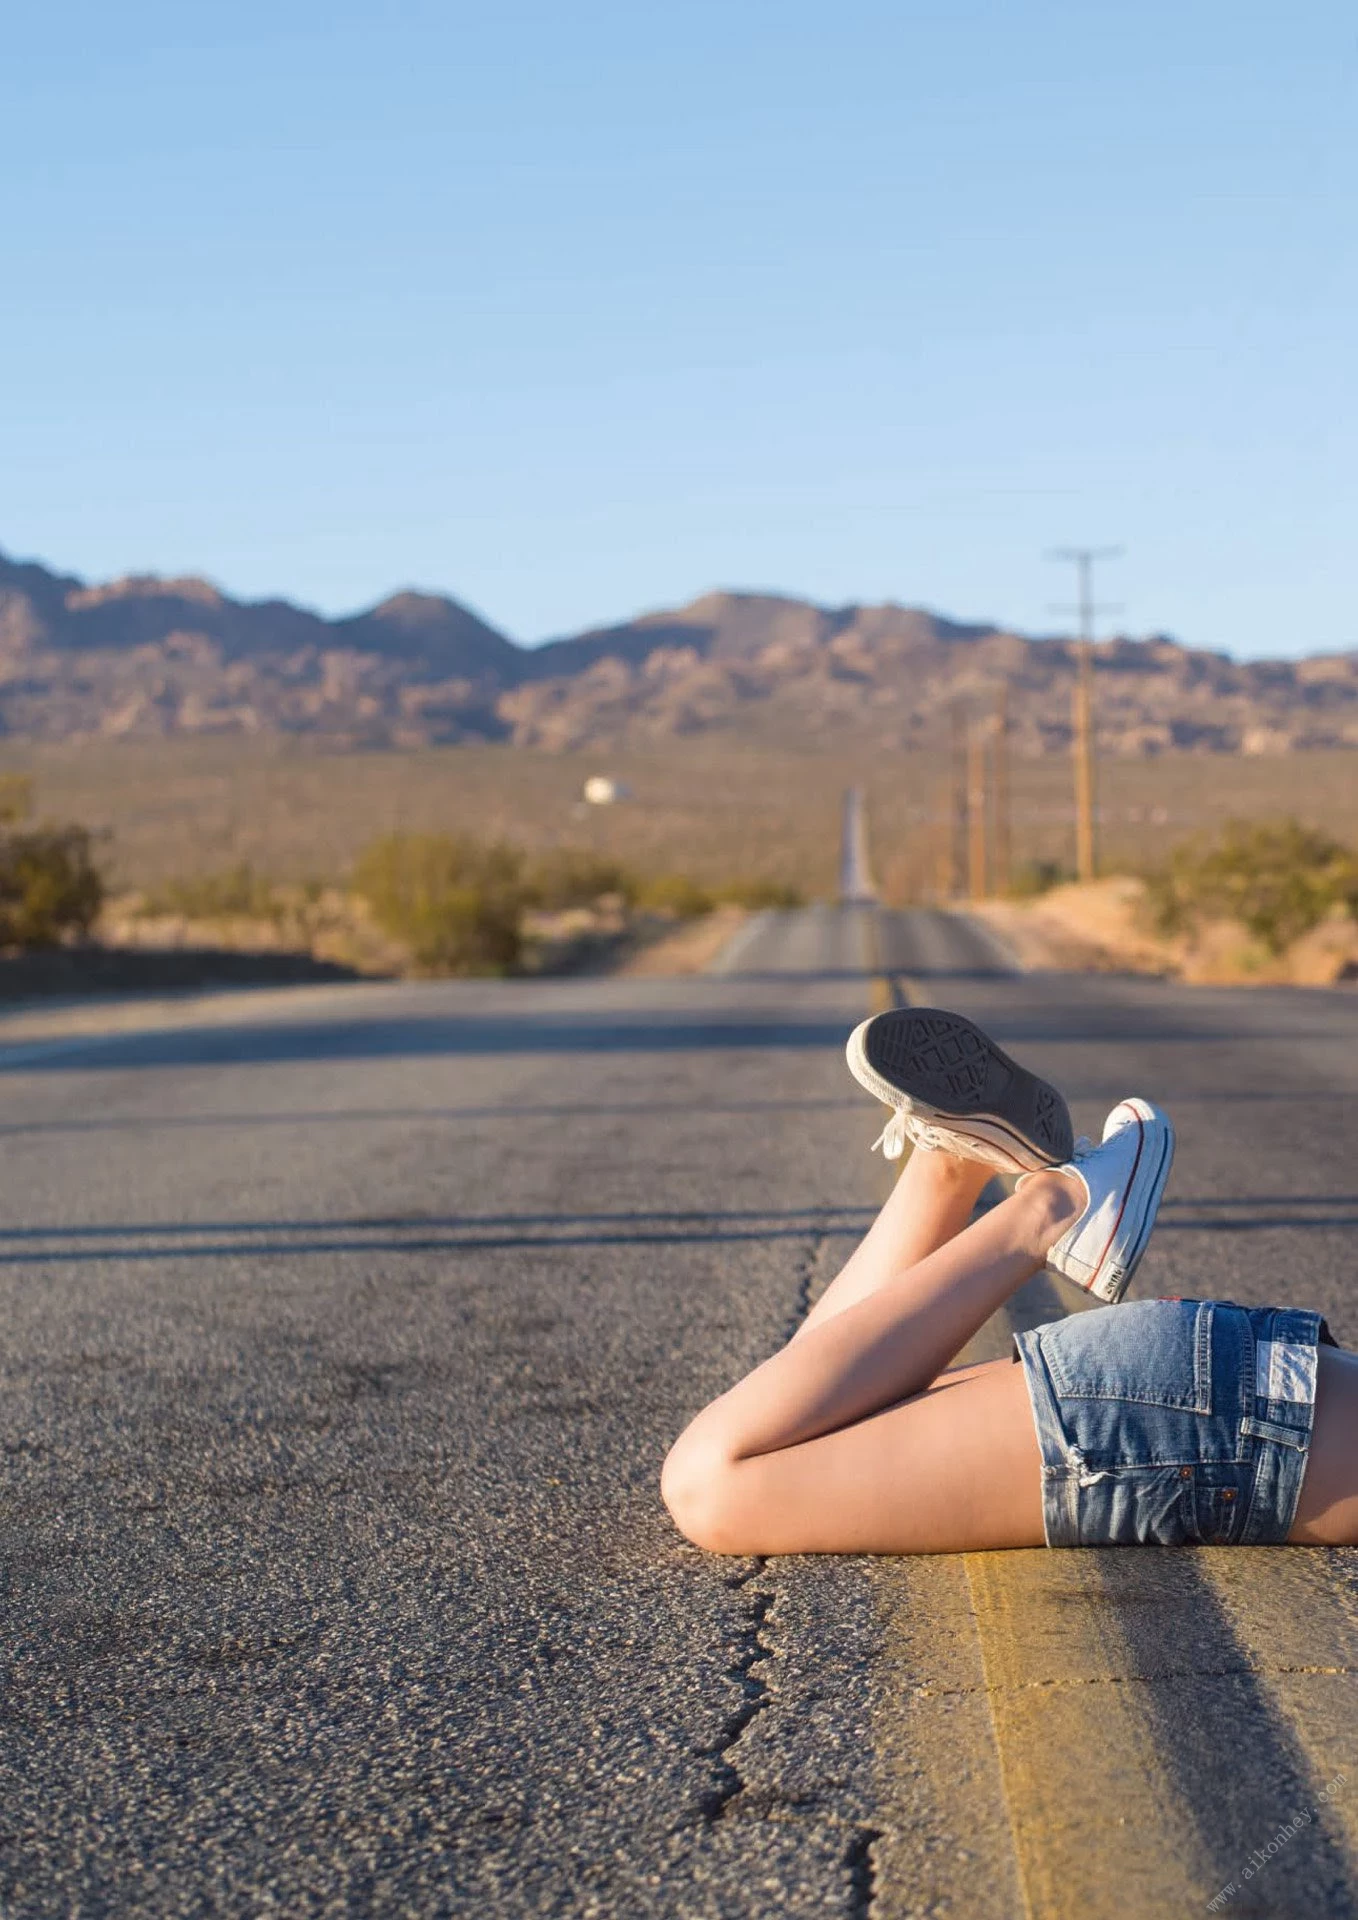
(1157, 1353)
(1137, 1507)
(1219, 1500)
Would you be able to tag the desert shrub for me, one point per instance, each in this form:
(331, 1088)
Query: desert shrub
(674, 893)
(571, 877)
(50, 889)
(1277, 879)
(235, 892)
(16, 797)
(457, 906)
(1031, 878)
(760, 893)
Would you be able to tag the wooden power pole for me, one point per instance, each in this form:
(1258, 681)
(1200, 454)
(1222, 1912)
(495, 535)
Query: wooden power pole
(1082, 748)
(1082, 703)
(947, 839)
(976, 811)
(1002, 843)
(957, 808)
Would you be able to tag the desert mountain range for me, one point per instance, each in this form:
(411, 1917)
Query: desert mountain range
(145, 656)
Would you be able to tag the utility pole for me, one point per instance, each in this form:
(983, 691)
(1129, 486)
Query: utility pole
(946, 874)
(976, 811)
(1002, 843)
(957, 807)
(1082, 700)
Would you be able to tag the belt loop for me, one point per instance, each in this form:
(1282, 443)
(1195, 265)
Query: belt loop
(1202, 1357)
(1242, 1332)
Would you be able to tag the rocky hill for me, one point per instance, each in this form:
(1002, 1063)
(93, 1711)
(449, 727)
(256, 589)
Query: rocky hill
(145, 656)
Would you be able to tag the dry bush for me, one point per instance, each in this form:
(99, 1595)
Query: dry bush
(231, 893)
(1032, 878)
(50, 889)
(676, 893)
(457, 906)
(16, 797)
(756, 894)
(1278, 880)
(565, 877)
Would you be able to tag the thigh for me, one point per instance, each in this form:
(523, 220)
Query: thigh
(954, 1469)
(1327, 1512)
(954, 1376)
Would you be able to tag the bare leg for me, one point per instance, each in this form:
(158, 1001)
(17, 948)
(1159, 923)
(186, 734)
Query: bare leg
(814, 1452)
(929, 1205)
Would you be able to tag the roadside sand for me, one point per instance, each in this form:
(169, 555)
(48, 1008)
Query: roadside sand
(1101, 928)
(1080, 929)
(689, 949)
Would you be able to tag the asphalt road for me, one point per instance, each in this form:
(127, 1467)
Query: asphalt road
(343, 1335)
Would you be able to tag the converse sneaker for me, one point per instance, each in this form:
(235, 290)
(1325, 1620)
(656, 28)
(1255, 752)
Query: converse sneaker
(1123, 1179)
(953, 1090)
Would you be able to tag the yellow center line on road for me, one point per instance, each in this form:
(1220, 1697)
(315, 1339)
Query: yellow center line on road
(1158, 1753)
(1097, 1820)
(892, 990)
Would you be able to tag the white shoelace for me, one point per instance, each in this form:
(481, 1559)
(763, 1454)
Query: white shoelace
(893, 1136)
(897, 1131)
(902, 1127)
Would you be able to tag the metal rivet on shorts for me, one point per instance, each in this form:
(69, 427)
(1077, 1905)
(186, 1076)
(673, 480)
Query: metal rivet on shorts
(1228, 1493)
(1185, 1473)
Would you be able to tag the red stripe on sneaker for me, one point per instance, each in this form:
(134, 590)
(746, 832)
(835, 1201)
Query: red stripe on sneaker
(1126, 1191)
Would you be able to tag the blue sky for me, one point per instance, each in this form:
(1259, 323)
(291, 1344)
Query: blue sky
(572, 311)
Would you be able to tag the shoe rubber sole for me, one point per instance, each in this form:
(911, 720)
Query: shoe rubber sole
(1112, 1276)
(941, 1069)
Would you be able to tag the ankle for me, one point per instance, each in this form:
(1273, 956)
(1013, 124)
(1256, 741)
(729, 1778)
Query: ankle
(1053, 1202)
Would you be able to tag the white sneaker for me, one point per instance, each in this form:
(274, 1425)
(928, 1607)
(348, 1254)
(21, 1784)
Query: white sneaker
(1123, 1179)
(952, 1089)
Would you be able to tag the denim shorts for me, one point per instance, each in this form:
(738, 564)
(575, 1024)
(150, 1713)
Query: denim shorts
(1173, 1423)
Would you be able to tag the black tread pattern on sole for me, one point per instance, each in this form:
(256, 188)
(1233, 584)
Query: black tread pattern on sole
(947, 1062)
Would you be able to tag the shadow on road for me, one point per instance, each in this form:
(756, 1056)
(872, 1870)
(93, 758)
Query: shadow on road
(643, 1030)
(369, 1116)
(861, 975)
(1250, 1214)
(1156, 1590)
(485, 1232)
(453, 1233)
(429, 1036)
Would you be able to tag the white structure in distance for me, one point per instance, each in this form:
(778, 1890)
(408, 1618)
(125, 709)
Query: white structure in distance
(602, 791)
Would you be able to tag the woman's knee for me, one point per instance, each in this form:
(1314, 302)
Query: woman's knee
(699, 1483)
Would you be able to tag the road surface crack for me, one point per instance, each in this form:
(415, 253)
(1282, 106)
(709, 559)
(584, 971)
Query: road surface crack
(807, 1268)
(750, 1649)
(860, 1863)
